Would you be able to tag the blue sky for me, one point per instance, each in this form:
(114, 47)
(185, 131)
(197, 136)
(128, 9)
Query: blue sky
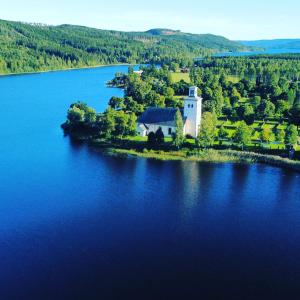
(256, 19)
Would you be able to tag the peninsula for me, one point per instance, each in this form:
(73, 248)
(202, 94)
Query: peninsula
(238, 109)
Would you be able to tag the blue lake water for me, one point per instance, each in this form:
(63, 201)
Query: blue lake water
(76, 224)
(267, 51)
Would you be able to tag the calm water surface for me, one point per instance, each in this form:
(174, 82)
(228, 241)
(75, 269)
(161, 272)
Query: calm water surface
(262, 52)
(79, 225)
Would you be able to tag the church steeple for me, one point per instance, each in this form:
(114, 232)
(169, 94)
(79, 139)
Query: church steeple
(193, 91)
(192, 112)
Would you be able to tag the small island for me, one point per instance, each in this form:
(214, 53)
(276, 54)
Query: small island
(222, 109)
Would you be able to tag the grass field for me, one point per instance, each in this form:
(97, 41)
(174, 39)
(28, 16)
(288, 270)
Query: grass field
(231, 127)
(177, 76)
(233, 79)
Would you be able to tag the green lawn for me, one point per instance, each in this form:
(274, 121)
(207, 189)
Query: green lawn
(230, 127)
(233, 78)
(177, 76)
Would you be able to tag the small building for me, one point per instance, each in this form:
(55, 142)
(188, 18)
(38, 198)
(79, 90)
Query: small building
(139, 72)
(154, 118)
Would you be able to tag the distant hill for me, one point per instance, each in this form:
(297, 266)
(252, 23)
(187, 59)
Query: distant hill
(209, 41)
(273, 44)
(35, 47)
(163, 31)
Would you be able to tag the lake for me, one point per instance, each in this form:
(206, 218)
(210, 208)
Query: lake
(76, 224)
(262, 52)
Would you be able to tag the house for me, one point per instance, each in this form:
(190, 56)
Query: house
(154, 118)
(140, 72)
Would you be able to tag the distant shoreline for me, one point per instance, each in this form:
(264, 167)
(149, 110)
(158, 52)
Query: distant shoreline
(65, 69)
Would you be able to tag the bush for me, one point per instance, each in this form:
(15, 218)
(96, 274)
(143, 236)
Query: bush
(157, 139)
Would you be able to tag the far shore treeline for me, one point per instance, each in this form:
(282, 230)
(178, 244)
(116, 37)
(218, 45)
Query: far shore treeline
(249, 103)
(37, 47)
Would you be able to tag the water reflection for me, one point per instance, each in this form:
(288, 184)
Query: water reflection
(72, 216)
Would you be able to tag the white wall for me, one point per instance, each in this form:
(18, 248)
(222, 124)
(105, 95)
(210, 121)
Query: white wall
(193, 111)
(154, 128)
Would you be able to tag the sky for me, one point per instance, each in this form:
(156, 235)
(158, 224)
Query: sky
(236, 20)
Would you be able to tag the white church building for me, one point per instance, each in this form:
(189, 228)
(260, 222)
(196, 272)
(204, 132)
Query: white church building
(154, 117)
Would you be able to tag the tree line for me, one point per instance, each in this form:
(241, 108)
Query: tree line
(36, 47)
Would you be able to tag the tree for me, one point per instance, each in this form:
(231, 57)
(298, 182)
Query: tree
(160, 137)
(243, 134)
(108, 123)
(291, 96)
(75, 115)
(223, 134)
(151, 140)
(282, 108)
(280, 136)
(178, 137)
(154, 99)
(137, 88)
(116, 102)
(90, 115)
(248, 114)
(130, 70)
(266, 109)
(256, 101)
(121, 122)
(207, 131)
(291, 135)
(174, 66)
(131, 126)
(295, 115)
(266, 135)
(155, 140)
(235, 96)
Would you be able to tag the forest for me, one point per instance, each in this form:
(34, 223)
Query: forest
(251, 102)
(37, 47)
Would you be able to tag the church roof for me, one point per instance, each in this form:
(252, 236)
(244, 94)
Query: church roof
(156, 115)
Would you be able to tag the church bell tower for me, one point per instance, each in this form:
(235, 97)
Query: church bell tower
(193, 112)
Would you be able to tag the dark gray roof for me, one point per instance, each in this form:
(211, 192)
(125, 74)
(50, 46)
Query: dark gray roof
(155, 115)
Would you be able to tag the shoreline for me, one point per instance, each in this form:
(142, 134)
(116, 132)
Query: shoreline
(217, 156)
(61, 70)
(208, 155)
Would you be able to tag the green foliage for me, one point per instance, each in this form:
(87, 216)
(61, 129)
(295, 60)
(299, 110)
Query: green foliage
(266, 109)
(75, 115)
(115, 124)
(79, 112)
(178, 138)
(266, 135)
(280, 136)
(243, 134)
(268, 87)
(34, 47)
(108, 123)
(257, 103)
(223, 134)
(207, 132)
(295, 114)
(156, 140)
(291, 135)
(116, 103)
